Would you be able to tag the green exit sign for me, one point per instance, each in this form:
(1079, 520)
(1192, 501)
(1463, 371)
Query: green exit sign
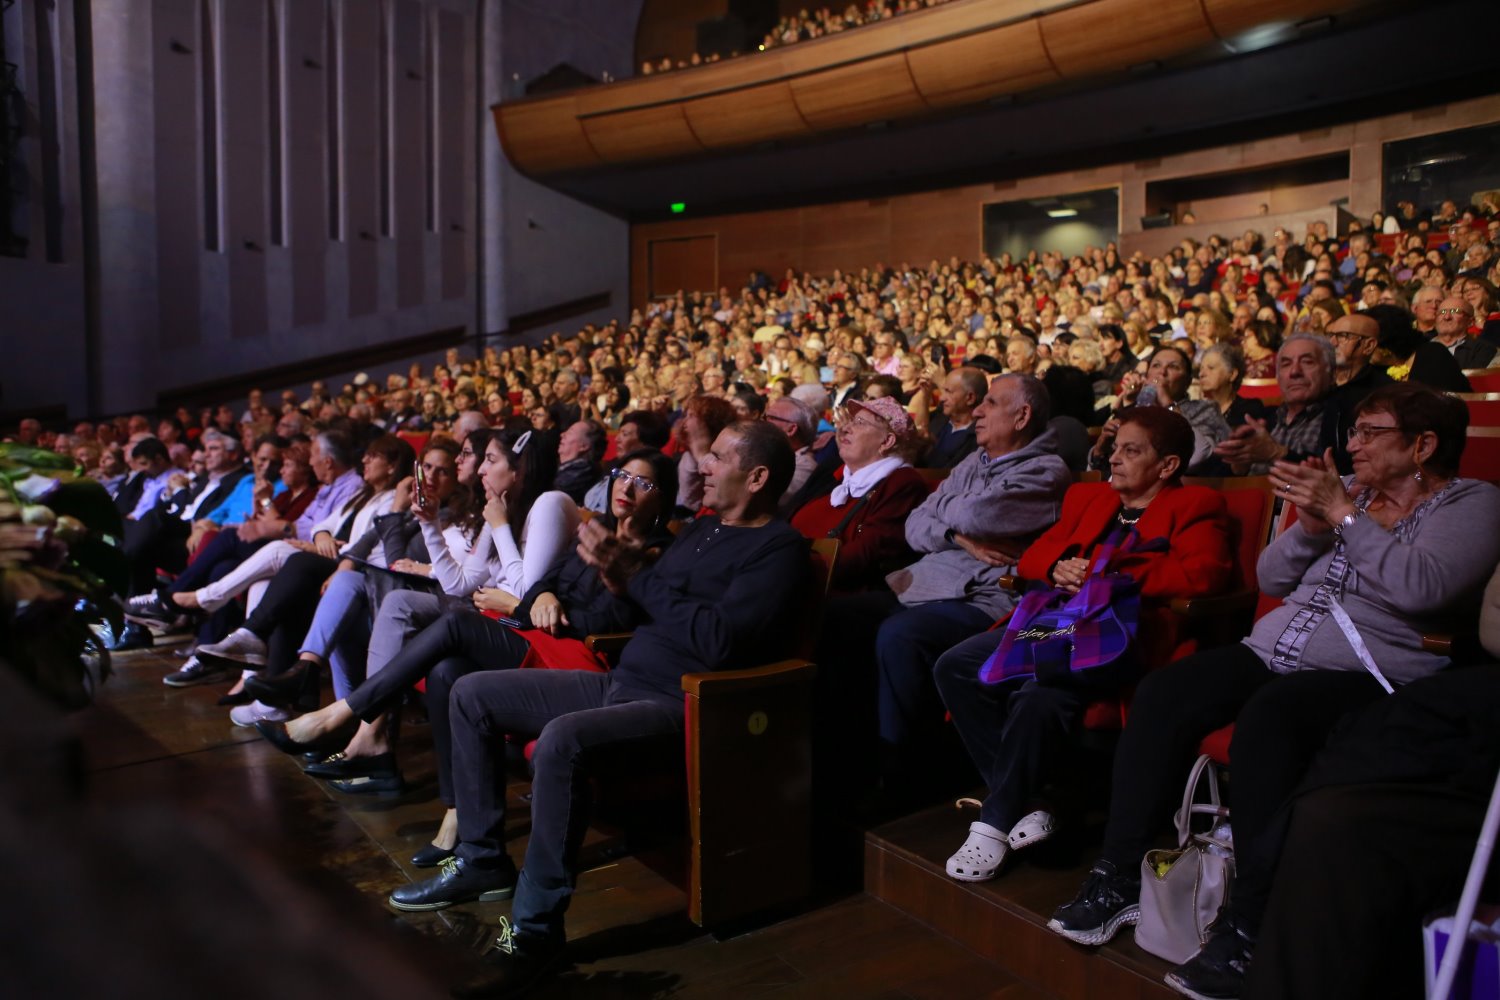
(678, 207)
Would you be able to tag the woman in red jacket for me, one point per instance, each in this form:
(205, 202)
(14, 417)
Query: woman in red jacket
(1015, 729)
(875, 492)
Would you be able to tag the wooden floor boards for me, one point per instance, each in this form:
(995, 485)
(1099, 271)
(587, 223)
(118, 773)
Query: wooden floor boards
(147, 743)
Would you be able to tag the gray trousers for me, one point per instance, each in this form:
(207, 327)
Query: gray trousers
(585, 727)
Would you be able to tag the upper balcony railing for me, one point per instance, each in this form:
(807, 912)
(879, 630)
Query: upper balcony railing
(962, 53)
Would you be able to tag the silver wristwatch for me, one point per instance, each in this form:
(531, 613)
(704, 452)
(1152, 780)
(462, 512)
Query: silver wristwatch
(1345, 522)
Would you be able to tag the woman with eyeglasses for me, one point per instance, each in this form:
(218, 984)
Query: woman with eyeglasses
(547, 629)
(339, 634)
(871, 495)
(1402, 547)
(527, 528)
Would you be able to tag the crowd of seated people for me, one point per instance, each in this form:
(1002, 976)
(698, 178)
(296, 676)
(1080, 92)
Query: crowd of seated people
(804, 26)
(666, 474)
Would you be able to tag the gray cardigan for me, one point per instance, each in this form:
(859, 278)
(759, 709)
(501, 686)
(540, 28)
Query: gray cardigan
(1016, 496)
(1425, 575)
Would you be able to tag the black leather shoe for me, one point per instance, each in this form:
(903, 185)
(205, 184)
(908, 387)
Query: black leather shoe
(458, 882)
(516, 963)
(338, 766)
(276, 735)
(431, 856)
(240, 697)
(285, 689)
(383, 785)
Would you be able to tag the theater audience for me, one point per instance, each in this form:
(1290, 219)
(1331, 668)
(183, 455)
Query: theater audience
(873, 493)
(1168, 376)
(1019, 732)
(970, 533)
(953, 432)
(503, 564)
(717, 597)
(1401, 548)
(558, 612)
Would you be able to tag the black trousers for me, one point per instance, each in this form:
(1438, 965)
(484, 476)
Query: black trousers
(286, 610)
(586, 727)
(1281, 722)
(1017, 733)
(1362, 866)
(459, 643)
(157, 540)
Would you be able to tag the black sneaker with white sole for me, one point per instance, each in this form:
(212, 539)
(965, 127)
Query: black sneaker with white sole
(196, 671)
(150, 609)
(1218, 971)
(1107, 902)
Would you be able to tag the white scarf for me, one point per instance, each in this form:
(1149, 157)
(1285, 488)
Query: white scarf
(859, 482)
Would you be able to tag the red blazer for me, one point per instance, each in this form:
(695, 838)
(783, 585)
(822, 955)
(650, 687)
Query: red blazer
(1193, 519)
(874, 540)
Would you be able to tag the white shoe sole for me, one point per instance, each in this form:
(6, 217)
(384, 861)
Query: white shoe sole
(1179, 986)
(1128, 917)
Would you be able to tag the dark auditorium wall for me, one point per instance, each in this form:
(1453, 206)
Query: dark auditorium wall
(255, 205)
(544, 249)
(275, 180)
(42, 345)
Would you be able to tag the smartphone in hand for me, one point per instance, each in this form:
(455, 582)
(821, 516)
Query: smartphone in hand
(419, 483)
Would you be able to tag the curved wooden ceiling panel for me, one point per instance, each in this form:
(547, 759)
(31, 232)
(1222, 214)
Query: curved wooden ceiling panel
(741, 117)
(977, 67)
(651, 133)
(1117, 34)
(544, 137)
(960, 53)
(857, 93)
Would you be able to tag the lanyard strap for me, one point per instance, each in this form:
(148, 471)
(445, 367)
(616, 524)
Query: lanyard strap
(1360, 649)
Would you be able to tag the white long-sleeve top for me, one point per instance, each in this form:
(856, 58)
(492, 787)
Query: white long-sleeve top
(377, 505)
(495, 560)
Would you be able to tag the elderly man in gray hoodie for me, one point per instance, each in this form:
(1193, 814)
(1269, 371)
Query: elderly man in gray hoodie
(970, 532)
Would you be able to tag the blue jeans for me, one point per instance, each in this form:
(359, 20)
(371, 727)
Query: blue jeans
(340, 630)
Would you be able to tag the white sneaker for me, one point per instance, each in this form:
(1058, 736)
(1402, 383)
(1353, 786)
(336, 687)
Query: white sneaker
(241, 646)
(249, 715)
(979, 858)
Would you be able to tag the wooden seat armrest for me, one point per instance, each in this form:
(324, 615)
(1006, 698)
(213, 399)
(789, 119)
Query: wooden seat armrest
(1220, 604)
(730, 682)
(608, 644)
(1438, 643)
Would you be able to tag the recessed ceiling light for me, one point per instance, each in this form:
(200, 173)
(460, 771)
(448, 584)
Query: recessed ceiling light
(1062, 213)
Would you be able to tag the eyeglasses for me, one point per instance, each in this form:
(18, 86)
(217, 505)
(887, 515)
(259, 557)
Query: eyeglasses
(1453, 312)
(639, 483)
(1365, 433)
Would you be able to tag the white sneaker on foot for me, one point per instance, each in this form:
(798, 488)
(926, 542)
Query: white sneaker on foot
(240, 646)
(249, 715)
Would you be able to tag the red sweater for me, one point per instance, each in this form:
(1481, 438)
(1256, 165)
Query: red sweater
(874, 540)
(1193, 519)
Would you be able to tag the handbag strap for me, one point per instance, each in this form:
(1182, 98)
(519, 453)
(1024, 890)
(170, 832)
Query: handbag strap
(1346, 624)
(1203, 768)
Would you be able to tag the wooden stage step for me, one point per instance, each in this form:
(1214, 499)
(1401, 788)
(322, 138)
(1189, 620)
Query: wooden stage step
(1005, 920)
